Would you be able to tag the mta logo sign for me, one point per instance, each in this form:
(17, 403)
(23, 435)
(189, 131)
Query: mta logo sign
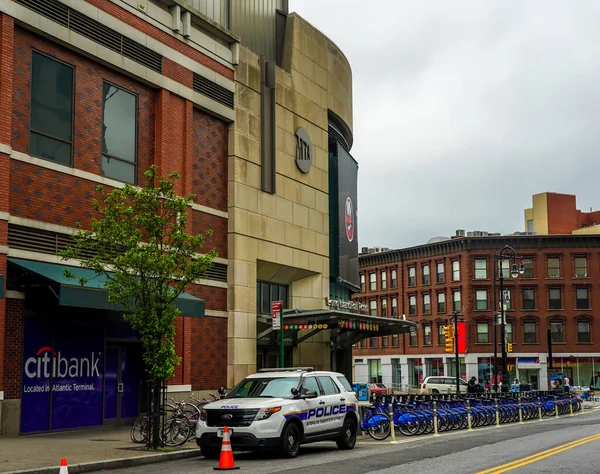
(304, 152)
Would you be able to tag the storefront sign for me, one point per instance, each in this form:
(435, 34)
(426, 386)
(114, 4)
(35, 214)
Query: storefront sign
(62, 376)
(348, 305)
(276, 314)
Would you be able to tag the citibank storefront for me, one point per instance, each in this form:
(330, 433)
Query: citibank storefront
(81, 362)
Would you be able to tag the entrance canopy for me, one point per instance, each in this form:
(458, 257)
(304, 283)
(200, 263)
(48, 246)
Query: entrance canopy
(346, 328)
(93, 293)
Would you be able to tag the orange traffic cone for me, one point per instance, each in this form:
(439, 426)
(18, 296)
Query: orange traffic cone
(63, 466)
(226, 462)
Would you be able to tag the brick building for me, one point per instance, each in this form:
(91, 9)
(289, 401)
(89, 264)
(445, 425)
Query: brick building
(555, 213)
(559, 290)
(94, 92)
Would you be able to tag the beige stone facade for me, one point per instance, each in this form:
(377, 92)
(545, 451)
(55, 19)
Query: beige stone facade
(283, 237)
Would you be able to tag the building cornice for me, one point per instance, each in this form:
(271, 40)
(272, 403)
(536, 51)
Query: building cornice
(468, 244)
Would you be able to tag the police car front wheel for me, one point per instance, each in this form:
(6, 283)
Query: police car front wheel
(290, 440)
(347, 438)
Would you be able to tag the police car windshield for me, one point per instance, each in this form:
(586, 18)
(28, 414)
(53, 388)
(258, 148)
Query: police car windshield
(279, 387)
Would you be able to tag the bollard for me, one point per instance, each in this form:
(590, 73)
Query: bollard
(593, 402)
(540, 409)
(469, 427)
(392, 426)
(497, 414)
(520, 411)
(555, 408)
(571, 406)
(435, 420)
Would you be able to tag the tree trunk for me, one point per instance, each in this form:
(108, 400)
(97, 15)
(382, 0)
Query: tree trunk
(155, 439)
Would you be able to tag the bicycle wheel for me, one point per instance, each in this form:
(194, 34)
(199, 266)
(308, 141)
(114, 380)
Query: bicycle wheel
(140, 429)
(176, 431)
(378, 426)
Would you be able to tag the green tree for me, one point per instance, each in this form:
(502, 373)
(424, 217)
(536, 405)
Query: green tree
(140, 244)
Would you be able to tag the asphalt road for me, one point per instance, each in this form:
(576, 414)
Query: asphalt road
(568, 444)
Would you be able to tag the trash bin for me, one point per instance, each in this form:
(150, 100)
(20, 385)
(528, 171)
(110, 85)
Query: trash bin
(362, 391)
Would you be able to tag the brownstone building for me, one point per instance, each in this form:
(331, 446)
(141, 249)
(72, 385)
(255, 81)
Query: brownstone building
(559, 290)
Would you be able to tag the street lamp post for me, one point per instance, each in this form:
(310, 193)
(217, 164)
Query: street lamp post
(507, 253)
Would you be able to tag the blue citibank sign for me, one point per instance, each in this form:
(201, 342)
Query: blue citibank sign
(62, 375)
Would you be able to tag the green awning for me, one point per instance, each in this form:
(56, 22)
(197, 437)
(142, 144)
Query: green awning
(93, 294)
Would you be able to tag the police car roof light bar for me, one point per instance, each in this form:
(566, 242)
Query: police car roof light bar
(288, 369)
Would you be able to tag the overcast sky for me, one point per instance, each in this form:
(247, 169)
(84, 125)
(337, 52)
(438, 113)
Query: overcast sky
(464, 109)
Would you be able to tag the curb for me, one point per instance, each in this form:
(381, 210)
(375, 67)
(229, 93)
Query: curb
(114, 463)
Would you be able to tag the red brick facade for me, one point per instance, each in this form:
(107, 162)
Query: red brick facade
(171, 133)
(13, 348)
(536, 252)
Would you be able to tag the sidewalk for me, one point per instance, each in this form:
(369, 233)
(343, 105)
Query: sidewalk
(81, 447)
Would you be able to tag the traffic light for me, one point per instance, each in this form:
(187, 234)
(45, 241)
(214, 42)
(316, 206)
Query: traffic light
(449, 335)
(509, 347)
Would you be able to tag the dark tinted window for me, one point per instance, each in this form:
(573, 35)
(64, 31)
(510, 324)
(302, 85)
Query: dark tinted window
(119, 134)
(328, 385)
(51, 109)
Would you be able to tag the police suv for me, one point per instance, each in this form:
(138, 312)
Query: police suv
(280, 409)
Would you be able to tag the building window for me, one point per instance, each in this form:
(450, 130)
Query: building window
(362, 283)
(529, 299)
(412, 276)
(581, 267)
(528, 267)
(441, 335)
(507, 299)
(440, 272)
(394, 281)
(384, 341)
(425, 276)
(412, 337)
(554, 298)
(455, 270)
(427, 335)
(373, 342)
(481, 302)
(553, 267)
(456, 300)
(582, 298)
(373, 308)
(51, 120)
(556, 332)
(394, 306)
(504, 268)
(384, 307)
(383, 280)
(483, 333)
(266, 293)
(372, 282)
(119, 136)
(395, 340)
(583, 332)
(427, 304)
(508, 329)
(530, 225)
(480, 269)
(375, 372)
(530, 333)
(412, 305)
(441, 302)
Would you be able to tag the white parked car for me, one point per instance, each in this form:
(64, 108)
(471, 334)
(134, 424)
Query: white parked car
(280, 409)
(441, 384)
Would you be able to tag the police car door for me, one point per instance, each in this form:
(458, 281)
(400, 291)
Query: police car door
(311, 405)
(333, 404)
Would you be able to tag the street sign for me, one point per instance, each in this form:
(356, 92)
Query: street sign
(276, 314)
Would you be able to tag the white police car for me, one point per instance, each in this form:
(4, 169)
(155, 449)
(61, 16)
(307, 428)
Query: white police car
(280, 409)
